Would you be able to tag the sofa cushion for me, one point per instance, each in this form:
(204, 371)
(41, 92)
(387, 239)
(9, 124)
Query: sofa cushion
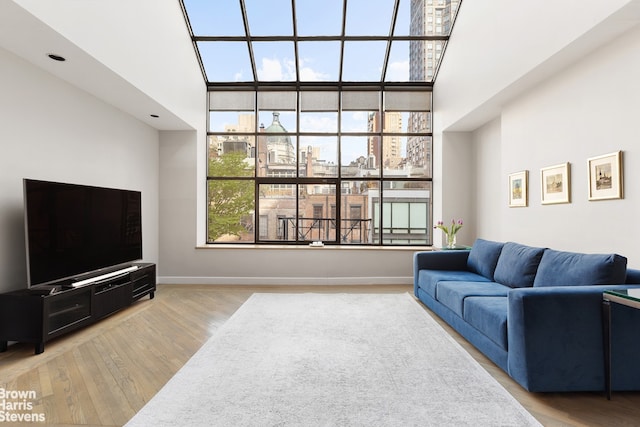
(489, 316)
(559, 268)
(483, 257)
(453, 294)
(428, 279)
(517, 265)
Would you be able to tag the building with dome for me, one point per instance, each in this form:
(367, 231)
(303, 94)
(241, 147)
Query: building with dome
(279, 148)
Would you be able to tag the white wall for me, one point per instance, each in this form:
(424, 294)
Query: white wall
(489, 185)
(581, 120)
(454, 198)
(588, 109)
(53, 131)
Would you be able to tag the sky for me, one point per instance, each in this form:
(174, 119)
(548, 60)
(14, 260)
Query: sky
(319, 61)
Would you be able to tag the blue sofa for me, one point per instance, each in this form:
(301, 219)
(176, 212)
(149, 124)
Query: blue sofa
(535, 312)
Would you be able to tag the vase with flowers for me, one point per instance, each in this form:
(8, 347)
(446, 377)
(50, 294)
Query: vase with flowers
(450, 231)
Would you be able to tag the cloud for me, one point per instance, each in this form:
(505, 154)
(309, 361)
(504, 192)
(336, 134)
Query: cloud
(271, 70)
(319, 122)
(355, 122)
(308, 74)
(398, 71)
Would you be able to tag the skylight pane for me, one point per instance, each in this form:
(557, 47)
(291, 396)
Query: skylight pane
(403, 20)
(369, 17)
(308, 14)
(236, 66)
(398, 67)
(269, 18)
(319, 61)
(434, 63)
(275, 61)
(363, 60)
(219, 18)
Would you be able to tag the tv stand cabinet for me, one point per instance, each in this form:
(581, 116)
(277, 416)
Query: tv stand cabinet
(42, 313)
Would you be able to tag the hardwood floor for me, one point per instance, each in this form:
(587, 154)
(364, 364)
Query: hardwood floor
(102, 375)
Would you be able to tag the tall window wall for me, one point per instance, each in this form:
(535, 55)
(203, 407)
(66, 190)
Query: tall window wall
(320, 117)
(347, 166)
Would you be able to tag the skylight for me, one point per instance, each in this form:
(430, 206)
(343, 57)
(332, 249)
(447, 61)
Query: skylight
(303, 41)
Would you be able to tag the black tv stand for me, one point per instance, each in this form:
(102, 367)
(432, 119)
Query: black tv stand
(42, 313)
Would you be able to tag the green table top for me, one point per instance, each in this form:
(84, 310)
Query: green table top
(455, 248)
(629, 297)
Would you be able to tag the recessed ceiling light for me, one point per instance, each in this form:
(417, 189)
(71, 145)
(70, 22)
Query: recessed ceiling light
(57, 57)
(155, 116)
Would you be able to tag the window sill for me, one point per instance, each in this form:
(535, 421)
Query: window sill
(315, 248)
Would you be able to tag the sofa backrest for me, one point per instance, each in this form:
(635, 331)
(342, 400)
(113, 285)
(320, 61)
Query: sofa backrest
(483, 257)
(559, 268)
(517, 265)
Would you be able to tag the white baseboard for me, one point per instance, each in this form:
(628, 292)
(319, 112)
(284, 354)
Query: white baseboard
(256, 281)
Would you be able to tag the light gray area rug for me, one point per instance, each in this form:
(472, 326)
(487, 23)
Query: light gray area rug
(332, 360)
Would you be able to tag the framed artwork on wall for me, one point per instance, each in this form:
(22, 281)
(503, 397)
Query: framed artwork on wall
(556, 184)
(605, 176)
(518, 189)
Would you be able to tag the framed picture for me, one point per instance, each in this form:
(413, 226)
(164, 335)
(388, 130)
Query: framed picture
(556, 184)
(605, 176)
(518, 189)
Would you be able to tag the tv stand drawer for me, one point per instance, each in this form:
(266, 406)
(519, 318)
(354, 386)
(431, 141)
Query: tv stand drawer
(66, 310)
(143, 281)
(111, 298)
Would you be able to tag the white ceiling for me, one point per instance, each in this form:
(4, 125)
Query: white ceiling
(139, 61)
(501, 48)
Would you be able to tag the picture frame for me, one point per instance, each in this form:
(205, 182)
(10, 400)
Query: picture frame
(556, 184)
(519, 189)
(605, 176)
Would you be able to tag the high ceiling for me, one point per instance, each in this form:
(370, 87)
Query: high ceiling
(305, 42)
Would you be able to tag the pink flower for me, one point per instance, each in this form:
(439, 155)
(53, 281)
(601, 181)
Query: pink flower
(450, 230)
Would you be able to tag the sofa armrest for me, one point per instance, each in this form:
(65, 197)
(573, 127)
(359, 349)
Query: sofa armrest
(455, 260)
(555, 337)
(633, 276)
(441, 260)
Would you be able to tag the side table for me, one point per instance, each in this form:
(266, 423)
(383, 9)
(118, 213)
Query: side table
(455, 248)
(627, 297)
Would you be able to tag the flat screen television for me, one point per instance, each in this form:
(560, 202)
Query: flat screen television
(76, 231)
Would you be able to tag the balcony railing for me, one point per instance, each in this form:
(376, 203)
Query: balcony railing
(324, 229)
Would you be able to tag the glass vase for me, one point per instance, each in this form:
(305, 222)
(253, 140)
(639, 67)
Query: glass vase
(451, 241)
